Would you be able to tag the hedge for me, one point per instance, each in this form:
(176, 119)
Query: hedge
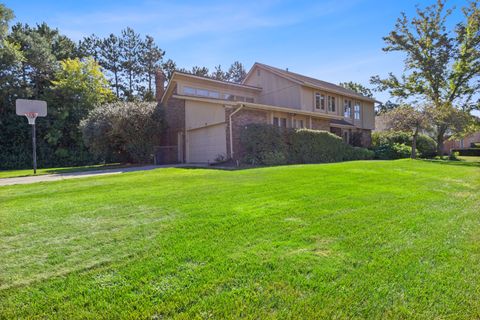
(269, 145)
(467, 152)
(385, 140)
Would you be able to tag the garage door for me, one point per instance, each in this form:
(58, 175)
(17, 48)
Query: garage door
(205, 144)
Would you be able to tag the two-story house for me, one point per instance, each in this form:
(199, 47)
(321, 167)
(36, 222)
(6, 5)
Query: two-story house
(205, 116)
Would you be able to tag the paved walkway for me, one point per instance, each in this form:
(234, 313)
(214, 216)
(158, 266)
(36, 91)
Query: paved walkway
(84, 174)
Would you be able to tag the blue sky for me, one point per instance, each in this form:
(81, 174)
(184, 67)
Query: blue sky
(333, 40)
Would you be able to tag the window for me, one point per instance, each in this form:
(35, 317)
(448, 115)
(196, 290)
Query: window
(227, 96)
(331, 104)
(347, 109)
(214, 94)
(298, 123)
(280, 122)
(319, 101)
(356, 110)
(189, 90)
(202, 92)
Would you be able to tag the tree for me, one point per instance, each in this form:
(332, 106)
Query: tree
(442, 66)
(358, 88)
(123, 131)
(169, 67)
(219, 74)
(385, 107)
(199, 71)
(236, 73)
(408, 119)
(130, 52)
(150, 61)
(111, 59)
(6, 15)
(79, 86)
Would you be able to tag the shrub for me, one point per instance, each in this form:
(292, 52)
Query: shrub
(453, 156)
(383, 141)
(468, 152)
(260, 139)
(123, 131)
(312, 146)
(392, 151)
(269, 145)
(273, 158)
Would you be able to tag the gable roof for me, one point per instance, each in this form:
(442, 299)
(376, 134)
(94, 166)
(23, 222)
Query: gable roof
(311, 82)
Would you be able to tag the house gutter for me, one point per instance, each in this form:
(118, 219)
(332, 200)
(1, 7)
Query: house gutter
(231, 130)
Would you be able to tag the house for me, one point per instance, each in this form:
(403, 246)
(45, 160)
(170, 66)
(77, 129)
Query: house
(466, 142)
(205, 116)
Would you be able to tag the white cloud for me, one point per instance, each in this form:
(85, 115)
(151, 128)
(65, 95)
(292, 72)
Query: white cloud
(173, 21)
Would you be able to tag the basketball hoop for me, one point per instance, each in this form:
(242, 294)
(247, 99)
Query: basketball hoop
(32, 109)
(31, 116)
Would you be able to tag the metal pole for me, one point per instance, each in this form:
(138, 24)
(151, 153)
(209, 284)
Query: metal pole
(34, 145)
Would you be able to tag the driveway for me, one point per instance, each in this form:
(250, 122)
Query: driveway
(84, 174)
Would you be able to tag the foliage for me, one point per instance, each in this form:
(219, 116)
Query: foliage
(468, 152)
(123, 131)
(408, 119)
(392, 151)
(358, 88)
(236, 73)
(454, 156)
(442, 66)
(382, 143)
(129, 60)
(426, 146)
(269, 145)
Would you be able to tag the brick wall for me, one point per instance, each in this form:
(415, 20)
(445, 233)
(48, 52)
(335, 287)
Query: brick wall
(175, 117)
(366, 138)
(240, 120)
(320, 124)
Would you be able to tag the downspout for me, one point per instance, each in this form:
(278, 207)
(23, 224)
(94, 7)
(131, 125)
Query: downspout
(231, 130)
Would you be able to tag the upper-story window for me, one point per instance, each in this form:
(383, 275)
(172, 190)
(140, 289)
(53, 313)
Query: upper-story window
(319, 101)
(215, 94)
(331, 104)
(347, 108)
(356, 110)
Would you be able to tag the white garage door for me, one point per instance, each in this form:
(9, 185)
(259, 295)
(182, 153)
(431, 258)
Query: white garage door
(205, 144)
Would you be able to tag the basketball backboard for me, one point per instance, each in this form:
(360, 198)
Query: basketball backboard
(24, 107)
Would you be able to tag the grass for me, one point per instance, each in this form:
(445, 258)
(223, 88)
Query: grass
(43, 171)
(378, 239)
(469, 159)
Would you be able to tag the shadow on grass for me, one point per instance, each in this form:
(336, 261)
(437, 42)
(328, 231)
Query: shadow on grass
(453, 162)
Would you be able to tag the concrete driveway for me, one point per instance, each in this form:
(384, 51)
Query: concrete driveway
(74, 175)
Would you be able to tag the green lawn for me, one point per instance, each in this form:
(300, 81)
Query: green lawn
(469, 159)
(365, 239)
(43, 171)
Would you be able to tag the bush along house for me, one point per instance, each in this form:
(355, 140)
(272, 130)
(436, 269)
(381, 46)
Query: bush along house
(205, 116)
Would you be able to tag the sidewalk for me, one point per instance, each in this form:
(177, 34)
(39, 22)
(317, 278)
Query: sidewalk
(84, 174)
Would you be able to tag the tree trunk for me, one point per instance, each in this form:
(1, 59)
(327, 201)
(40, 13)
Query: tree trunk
(440, 138)
(116, 84)
(414, 144)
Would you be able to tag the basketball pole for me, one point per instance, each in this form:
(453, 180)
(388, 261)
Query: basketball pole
(34, 145)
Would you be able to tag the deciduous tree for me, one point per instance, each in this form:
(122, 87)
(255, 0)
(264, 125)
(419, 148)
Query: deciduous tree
(408, 119)
(442, 65)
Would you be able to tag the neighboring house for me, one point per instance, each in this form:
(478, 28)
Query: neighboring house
(466, 142)
(205, 116)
